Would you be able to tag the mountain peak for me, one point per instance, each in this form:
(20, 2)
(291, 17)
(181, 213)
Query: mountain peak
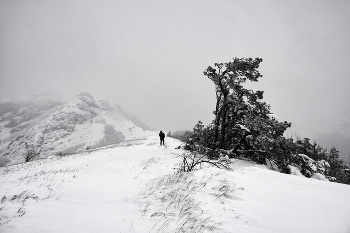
(88, 99)
(79, 124)
(85, 93)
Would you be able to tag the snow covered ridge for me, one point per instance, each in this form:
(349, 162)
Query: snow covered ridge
(133, 187)
(53, 127)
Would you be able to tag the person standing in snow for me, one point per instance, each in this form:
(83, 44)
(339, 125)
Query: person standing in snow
(161, 137)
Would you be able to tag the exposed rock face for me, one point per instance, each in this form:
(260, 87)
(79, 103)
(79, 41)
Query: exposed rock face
(60, 128)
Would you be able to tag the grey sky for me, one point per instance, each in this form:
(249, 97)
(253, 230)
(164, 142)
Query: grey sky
(149, 56)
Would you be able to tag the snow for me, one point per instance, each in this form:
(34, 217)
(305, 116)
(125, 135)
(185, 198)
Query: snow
(133, 188)
(294, 171)
(243, 127)
(319, 176)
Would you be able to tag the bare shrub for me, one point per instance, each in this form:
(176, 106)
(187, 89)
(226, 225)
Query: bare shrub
(33, 151)
(193, 160)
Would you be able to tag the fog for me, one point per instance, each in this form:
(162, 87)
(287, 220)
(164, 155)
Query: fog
(149, 56)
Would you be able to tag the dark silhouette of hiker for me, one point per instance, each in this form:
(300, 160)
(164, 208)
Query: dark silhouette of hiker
(161, 137)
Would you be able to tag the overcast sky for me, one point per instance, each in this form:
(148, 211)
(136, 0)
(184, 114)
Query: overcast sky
(149, 56)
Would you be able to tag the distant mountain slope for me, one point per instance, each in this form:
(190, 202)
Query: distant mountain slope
(54, 127)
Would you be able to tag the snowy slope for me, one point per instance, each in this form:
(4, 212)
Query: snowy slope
(63, 128)
(133, 188)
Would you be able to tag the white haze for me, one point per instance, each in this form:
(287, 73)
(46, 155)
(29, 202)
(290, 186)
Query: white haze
(149, 56)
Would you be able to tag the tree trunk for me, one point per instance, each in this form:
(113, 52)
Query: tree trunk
(223, 129)
(217, 118)
(223, 122)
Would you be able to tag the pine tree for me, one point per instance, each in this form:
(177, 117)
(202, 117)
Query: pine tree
(243, 122)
